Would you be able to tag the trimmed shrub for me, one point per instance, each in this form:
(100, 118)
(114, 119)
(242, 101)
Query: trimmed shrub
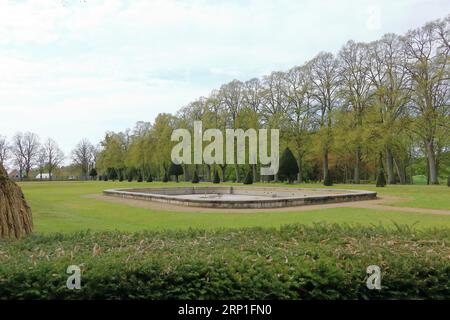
(216, 178)
(448, 181)
(288, 166)
(149, 177)
(176, 170)
(195, 179)
(165, 177)
(237, 264)
(140, 179)
(249, 178)
(328, 180)
(381, 180)
(93, 173)
(105, 177)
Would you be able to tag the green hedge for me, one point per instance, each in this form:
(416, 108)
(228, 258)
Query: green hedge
(294, 262)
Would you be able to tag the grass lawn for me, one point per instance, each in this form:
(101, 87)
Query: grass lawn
(63, 207)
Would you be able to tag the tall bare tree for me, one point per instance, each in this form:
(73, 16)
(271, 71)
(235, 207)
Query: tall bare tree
(252, 101)
(231, 98)
(428, 66)
(355, 90)
(26, 149)
(391, 83)
(324, 77)
(298, 94)
(275, 103)
(83, 156)
(53, 156)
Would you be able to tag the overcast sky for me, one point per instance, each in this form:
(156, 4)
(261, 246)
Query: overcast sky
(71, 69)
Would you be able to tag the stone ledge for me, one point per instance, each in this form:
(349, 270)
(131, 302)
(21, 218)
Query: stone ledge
(273, 197)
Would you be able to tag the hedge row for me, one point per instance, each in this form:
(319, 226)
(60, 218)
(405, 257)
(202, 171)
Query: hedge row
(294, 262)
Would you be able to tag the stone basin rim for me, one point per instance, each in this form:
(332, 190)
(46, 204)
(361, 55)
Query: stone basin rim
(340, 195)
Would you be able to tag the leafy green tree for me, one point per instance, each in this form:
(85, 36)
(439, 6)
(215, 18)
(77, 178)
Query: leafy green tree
(288, 166)
(113, 150)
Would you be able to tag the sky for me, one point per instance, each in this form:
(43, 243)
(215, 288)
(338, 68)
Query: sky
(73, 69)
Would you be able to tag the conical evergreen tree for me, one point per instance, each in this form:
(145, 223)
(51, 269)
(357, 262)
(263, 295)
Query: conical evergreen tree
(249, 178)
(216, 177)
(328, 181)
(176, 170)
(165, 177)
(381, 180)
(93, 174)
(288, 166)
(195, 179)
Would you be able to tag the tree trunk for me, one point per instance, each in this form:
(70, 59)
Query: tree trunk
(325, 163)
(300, 175)
(208, 173)
(254, 171)
(15, 214)
(432, 163)
(400, 172)
(185, 172)
(390, 166)
(356, 178)
(236, 170)
(223, 167)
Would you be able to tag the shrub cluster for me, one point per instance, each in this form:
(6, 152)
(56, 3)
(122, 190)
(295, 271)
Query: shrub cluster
(293, 262)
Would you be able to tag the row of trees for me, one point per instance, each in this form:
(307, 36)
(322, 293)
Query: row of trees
(384, 102)
(27, 153)
(373, 107)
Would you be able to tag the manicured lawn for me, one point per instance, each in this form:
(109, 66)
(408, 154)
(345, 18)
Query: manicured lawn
(418, 196)
(63, 207)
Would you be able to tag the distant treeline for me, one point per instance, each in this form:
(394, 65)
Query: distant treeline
(379, 105)
(384, 103)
